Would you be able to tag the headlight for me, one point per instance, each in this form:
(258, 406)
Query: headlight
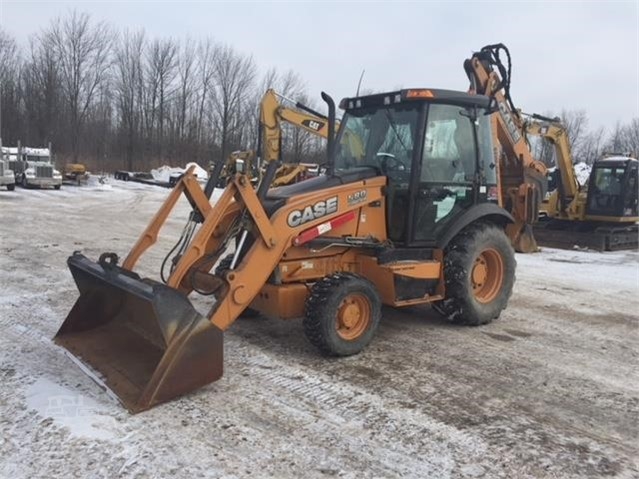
(57, 174)
(30, 173)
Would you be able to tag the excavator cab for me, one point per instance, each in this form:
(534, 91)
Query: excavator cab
(612, 190)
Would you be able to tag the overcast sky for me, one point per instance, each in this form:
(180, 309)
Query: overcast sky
(572, 55)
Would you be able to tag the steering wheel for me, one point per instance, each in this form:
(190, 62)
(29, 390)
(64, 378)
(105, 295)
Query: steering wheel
(391, 165)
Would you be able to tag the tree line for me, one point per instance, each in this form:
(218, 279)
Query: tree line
(124, 100)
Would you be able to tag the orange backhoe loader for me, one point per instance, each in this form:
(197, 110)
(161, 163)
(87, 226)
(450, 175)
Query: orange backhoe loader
(408, 213)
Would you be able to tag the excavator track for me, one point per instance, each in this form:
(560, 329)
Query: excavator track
(571, 235)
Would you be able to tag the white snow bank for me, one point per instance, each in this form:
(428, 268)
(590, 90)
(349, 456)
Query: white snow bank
(98, 182)
(82, 415)
(582, 172)
(163, 173)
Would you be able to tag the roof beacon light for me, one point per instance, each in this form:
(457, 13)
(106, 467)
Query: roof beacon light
(421, 93)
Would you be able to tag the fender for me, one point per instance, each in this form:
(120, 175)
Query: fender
(488, 211)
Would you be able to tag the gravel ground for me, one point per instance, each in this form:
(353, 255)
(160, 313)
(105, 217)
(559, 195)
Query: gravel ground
(548, 390)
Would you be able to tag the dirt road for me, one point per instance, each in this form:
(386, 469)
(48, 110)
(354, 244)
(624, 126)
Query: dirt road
(549, 390)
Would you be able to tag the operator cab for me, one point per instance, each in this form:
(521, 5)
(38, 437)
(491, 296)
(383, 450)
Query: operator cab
(435, 148)
(612, 189)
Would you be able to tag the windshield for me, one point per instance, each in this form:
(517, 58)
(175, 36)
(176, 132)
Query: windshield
(608, 180)
(375, 137)
(37, 158)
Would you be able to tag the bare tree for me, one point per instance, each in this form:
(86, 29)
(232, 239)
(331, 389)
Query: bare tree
(206, 54)
(624, 138)
(9, 88)
(186, 78)
(590, 147)
(160, 73)
(632, 137)
(576, 124)
(127, 84)
(83, 53)
(43, 92)
(234, 76)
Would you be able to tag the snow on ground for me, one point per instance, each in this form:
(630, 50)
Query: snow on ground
(81, 415)
(549, 390)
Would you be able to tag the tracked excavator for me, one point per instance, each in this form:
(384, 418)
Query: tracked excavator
(600, 215)
(408, 213)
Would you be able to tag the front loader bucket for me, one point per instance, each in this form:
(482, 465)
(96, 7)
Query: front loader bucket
(144, 339)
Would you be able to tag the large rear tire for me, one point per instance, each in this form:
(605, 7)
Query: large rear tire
(343, 312)
(479, 270)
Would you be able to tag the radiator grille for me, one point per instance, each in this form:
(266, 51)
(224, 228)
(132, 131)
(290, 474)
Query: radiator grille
(44, 171)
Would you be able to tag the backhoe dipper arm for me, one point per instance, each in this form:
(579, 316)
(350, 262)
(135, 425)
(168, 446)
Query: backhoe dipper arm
(522, 179)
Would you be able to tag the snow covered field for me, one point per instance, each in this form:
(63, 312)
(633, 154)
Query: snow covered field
(551, 389)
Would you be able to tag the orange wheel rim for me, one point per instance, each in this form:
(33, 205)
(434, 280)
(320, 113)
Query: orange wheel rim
(353, 317)
(487, 275)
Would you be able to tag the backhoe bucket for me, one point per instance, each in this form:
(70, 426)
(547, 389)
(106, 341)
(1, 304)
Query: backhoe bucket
(144, 339)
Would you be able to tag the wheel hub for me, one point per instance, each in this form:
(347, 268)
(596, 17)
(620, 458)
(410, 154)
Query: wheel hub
(487, 275)
(353, 316)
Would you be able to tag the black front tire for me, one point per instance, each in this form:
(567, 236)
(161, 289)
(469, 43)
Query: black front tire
(342, 314)
(479, 270)
(24, 182)
(11, 187)
(57, 187)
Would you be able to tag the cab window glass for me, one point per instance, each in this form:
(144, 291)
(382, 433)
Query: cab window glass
(449, 148)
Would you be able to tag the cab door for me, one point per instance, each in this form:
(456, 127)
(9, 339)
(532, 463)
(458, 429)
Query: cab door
(451, 178)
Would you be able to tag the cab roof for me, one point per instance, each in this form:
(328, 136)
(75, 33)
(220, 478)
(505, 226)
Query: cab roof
(432, 95)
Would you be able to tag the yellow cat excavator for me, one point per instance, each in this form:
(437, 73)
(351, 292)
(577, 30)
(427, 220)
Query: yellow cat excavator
(601, 214)
(408, 213)
(274, 114)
